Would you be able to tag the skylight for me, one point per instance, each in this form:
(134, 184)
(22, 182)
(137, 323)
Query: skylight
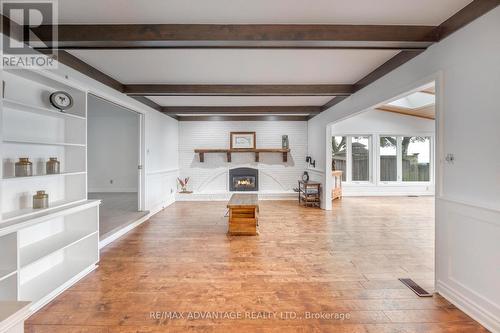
(414, 101)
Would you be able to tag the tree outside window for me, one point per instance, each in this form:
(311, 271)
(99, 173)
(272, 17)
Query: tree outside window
(339, 155)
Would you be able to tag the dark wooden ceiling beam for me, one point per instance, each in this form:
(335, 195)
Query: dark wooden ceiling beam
(84, 68)
(332, 102)
(387, 67)
(148, 102)
(238, 36)
(466, 15)
(390, 65)
(238, 89)
(243, 110)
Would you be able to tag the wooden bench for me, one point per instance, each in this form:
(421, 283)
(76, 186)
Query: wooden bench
(243, 214)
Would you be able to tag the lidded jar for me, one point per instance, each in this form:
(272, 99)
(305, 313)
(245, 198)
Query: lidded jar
(23, 168)
(53, 166)
(40, 200)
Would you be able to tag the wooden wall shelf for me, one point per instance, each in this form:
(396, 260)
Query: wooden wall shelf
(228, 152)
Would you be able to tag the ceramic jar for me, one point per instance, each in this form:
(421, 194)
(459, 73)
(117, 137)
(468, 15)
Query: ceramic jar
(40, 200)
(23, 168)
(53, 166)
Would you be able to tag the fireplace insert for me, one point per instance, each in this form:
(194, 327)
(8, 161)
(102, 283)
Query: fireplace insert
(243, 179)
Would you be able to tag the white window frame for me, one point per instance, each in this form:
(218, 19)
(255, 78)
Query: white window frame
(399, 163)
(399, 154)
(349, 159)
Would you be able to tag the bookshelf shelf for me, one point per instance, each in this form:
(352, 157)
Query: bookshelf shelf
(44, 251)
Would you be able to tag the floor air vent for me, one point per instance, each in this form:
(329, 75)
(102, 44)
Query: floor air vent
(421, 292)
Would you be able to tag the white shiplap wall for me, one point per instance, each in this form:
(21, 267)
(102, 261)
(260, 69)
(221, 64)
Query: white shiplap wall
(212, 175)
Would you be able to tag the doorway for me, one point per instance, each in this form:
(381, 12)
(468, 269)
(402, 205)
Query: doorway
(114, 164)
(385, 156)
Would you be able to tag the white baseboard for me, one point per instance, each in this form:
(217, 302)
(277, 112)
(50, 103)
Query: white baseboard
(383, 194)
(475, 311)
(159, 207)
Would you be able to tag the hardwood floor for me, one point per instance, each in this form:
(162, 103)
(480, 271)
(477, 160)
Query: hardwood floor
(342, 264)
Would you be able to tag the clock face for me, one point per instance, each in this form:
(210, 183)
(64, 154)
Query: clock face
(305, 177)
(61, 100)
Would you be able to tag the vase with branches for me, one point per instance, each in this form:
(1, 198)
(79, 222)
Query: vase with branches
(183, 183)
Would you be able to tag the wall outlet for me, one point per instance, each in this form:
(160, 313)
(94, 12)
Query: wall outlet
(111, 181)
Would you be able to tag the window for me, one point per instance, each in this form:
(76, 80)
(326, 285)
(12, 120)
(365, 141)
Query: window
(351, 154)
(360, 157)
(339, 157)
(400, 158)
(416, 151)
(388, 158)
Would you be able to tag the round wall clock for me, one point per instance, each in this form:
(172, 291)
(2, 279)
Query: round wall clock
(61, 100)
(305, 177)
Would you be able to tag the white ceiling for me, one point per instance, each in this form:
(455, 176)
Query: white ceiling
(235, 66)
(246, 66)
(241, 100)
(413, 12)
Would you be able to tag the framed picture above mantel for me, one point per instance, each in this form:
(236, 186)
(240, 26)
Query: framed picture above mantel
(243, 140)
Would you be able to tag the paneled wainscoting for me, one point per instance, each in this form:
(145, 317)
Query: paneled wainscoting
(463, 231)
(160, 184)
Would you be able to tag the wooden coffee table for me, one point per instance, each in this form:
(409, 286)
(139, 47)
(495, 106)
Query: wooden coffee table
(243, 214)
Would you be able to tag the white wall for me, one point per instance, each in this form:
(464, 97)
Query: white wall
(467, 68)
(162, 159)
(376, 123)
(160, 139)
(113, 147)
(212, 176)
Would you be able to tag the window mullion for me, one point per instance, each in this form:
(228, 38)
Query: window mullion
(349, 159)
(399, 158)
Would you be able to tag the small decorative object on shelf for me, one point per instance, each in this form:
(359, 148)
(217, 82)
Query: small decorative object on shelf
(183, 183)
(53, 166)
(40, 200)
(284, 142)
(24, 168)
(61, 100)
(305, 177)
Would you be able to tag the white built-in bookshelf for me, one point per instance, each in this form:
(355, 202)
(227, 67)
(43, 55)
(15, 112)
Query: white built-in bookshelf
(44, 251)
